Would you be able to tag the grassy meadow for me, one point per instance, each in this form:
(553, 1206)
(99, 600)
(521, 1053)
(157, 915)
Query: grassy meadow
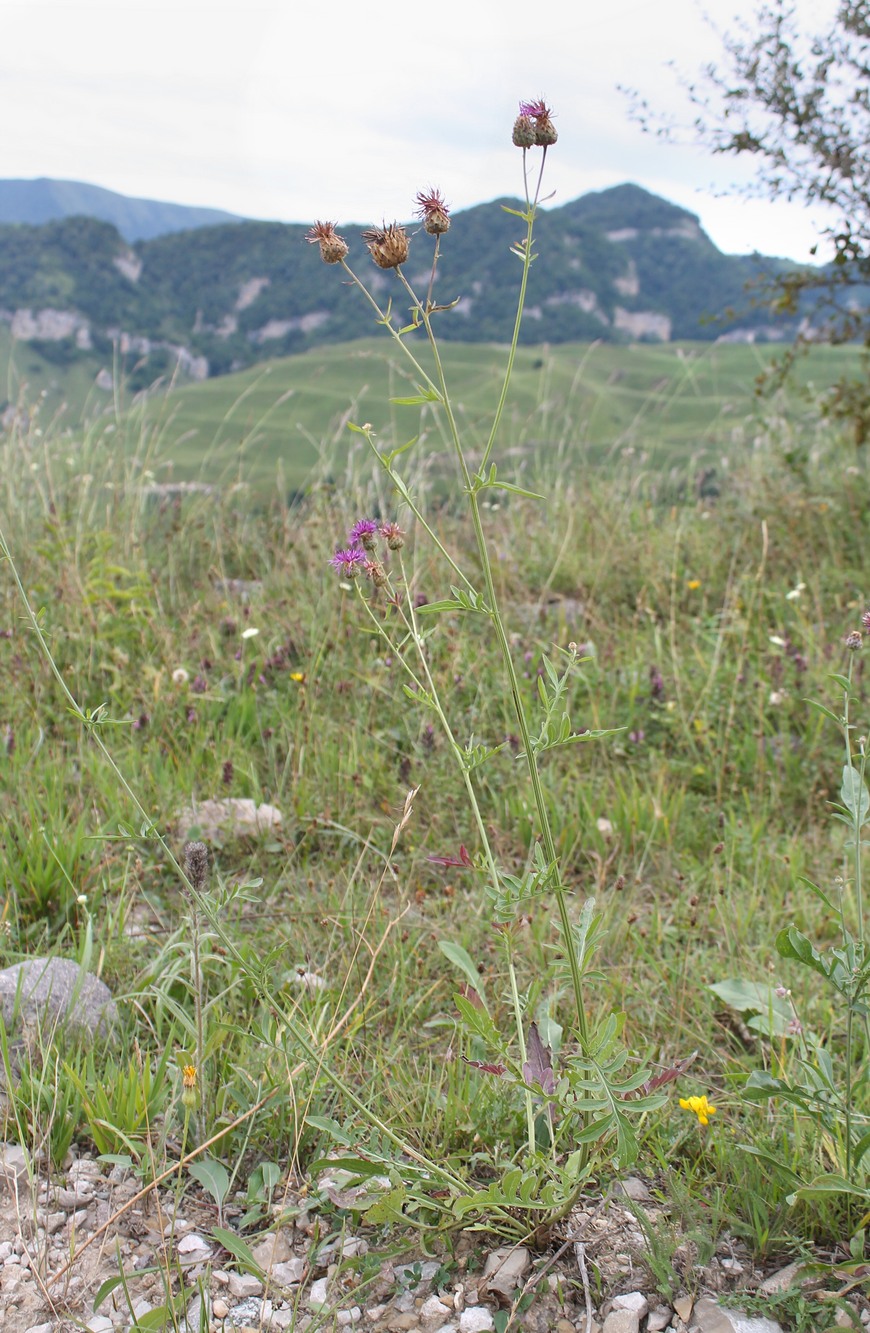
(706, 553)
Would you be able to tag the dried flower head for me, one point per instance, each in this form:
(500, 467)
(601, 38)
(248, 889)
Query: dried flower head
(375, 571)
(388, 246)
(393, 535)
(539, 114)
(432, 208)
(854, 641)
(196, 864)
(349, 562)
(364, 533)
(332, 247)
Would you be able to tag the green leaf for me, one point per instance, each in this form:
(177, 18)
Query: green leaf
(842, 681)
(751, 997)
(826, 712)
(792, 943)
(388, 1208)
(461, 958)
(478, 1020)
(802, 879)
(854, 795)
(154, 1321)
(213, 1176)
(238, 1248)
(832, 1184)
(331, 1128)
(423, 396)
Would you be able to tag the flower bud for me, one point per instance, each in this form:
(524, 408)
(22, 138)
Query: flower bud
(524, 132)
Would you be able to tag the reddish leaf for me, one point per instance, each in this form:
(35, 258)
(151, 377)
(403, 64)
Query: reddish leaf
(498, 1070)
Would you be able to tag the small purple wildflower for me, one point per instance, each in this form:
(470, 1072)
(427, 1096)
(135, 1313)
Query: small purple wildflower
(865, 621)
(657, 685)
(536, 108)
(141, 722)
(349, 561)
(227, 772)
(199, 685)
(636, 737)
(363, 533)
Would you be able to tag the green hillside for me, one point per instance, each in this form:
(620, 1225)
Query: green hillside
(575, 405)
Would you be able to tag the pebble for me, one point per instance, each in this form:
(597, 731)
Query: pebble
(621, 1321)
(712, 1318)
(634, 1301)
(289, 1274)
(219, 1308)
(242, 1285)
(476, 1319)
(317, 1295)
(659, 1318)
(39, 1328)
(98, 1323)
(275, 1249)
(433, 1308)
(781, 1280)
(505, 1268)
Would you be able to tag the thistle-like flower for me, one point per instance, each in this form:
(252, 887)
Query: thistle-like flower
(538, 116)
(432, 208)
(393, 535)
(374, 570)
(332, 247)
(388, 245)
(364, 533)
(349, 562)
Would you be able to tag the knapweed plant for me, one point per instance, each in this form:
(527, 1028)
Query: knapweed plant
(824, 1074)
(590, 1090)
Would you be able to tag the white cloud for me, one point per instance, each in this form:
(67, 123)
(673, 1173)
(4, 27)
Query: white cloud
(345, 111)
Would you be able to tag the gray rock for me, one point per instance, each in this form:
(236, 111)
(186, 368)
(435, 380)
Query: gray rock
(236, 817)
(789, 1276)
(55, 992)
(13, 1168)
(621, 1321)
(476, 1319)
(248, 1314)
(634, 1301)
(288, 1274)
(505, 1268)
(659, 1318)
(713, 1318)
(242, 1285)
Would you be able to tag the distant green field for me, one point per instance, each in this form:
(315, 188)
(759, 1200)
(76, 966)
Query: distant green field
(659, 405)
(671, 402)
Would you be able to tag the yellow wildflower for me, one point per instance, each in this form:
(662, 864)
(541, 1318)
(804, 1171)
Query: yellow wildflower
(693, 585)
(188, 1086)
(700, 1106)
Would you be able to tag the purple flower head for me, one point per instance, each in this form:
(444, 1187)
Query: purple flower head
(349, 562)
(865, 621)
(536, 108)
(363, 533)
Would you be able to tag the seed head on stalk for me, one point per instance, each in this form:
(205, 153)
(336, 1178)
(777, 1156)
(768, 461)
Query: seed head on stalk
(332, 247)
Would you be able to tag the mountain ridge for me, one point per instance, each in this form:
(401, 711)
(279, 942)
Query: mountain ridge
(624, 265)
(48, 199)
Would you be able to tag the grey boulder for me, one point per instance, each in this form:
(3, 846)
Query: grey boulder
(55, 992)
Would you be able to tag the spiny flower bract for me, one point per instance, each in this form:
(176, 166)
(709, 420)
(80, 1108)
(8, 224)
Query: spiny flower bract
(432, 208)
(333, 247)
(388, 245)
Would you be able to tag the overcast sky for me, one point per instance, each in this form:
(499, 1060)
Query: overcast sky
(343, 109)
